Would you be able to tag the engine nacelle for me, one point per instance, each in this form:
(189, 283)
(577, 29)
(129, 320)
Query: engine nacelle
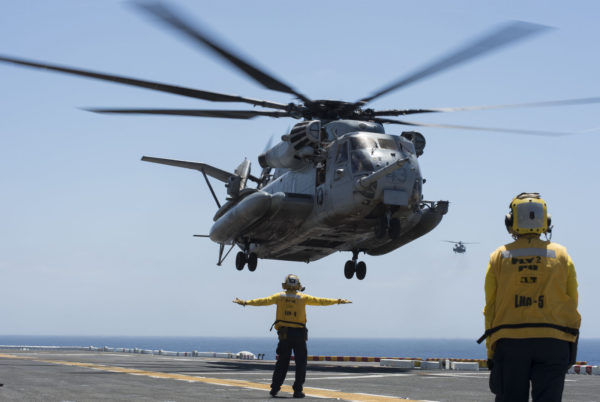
(294, 149)
(417, 139)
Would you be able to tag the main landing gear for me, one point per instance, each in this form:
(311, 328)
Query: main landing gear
(352, 267)
(388, 226)
(243, 257)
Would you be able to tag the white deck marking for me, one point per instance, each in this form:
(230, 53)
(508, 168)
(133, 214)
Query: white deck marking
(351, 377)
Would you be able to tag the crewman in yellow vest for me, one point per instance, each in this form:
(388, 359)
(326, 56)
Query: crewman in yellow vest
(531, 318)
(290, 324)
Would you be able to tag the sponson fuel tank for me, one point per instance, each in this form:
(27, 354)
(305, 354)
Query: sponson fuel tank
(244, 214)
(431, 216)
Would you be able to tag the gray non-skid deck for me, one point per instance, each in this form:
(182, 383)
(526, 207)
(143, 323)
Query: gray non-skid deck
(88, 376)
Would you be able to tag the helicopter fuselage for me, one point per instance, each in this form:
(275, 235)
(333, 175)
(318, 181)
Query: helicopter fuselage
(361, 191)
(459, 248)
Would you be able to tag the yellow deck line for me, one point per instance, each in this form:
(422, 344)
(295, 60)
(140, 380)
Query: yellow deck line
(215, 381)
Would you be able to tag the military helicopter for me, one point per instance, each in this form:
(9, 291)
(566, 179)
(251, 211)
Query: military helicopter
(459, 246)
(337, 181)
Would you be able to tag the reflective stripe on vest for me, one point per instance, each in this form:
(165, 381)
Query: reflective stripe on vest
(571, 331)
(529, 252)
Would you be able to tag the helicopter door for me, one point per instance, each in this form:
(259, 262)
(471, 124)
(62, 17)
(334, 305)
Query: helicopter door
(323, 178)
(339, 179)
(320, 182)
(341, 161)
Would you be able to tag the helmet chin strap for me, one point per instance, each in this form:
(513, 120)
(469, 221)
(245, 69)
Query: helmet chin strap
(294, 289)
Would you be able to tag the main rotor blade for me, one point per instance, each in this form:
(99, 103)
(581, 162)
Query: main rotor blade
(228, 114)
(505, 35)
(171, 18)
(459, 127)
(155, 86)
(565, 102)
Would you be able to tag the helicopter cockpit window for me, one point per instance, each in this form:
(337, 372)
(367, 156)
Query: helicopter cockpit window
(363, 143)
(342, 153)
(387, 143)
(361, 161)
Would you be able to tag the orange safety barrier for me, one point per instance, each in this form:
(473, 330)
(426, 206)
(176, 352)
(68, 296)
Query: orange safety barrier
(353, 358)
(482, 362)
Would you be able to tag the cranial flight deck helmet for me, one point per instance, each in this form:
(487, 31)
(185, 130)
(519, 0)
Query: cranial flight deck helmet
(528, 214)
(292, 282)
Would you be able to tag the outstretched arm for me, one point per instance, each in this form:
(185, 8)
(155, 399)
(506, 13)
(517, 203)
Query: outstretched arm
(323, 301)
(239, 301)
(264, 301)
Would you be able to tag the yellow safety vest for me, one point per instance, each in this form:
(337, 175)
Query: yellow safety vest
(530, 292)
(291, 307)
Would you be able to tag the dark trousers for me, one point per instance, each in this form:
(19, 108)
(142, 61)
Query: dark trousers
(295, 341)
(543, 361)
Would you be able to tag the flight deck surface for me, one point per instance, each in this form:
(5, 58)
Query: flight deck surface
(89, 376)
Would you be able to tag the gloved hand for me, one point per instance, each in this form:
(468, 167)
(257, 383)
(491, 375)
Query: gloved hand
(344, 301)
(239, 301)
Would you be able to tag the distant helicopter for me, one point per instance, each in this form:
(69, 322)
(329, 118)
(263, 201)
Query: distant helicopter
(459, 246)
(336, 181)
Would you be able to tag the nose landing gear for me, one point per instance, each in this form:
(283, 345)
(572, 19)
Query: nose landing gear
(361, 270)
(244, 257)
(355, 267)
(349, 269)
(252, 262)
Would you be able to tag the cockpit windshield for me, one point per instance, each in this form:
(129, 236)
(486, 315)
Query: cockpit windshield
(387, 143)
(361, 161)
(362, 142)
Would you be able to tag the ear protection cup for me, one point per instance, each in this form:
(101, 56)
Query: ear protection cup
(508, 221)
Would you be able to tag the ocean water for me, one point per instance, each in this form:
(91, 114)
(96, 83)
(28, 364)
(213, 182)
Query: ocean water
(589, 349)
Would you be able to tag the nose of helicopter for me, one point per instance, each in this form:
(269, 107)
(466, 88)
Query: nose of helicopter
(398, 183)
(366, 181)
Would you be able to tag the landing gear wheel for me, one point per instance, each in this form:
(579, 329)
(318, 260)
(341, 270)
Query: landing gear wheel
(240, 260)
(252, 262)
(349, 269)
(361, 270)
(394, 229)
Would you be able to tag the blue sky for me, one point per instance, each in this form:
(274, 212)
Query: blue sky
(96, 242)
